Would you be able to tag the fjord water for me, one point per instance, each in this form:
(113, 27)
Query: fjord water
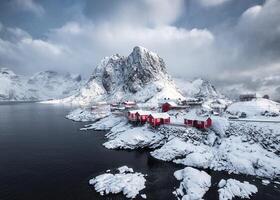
(44, 156)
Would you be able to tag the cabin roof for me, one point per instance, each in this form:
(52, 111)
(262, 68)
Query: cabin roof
(171, 103)
(133, 111)
(160, 115)
(143, 112)
(129, 102)
(198, 118)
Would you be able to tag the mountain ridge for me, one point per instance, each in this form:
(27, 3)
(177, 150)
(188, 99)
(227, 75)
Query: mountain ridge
(141, 76)
(40, 86)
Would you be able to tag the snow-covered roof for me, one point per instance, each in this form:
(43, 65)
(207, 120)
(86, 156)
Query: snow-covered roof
(129, 102)
(143, 112)
(160, 115)
(133, 111)
(171, 103)
(194, 117)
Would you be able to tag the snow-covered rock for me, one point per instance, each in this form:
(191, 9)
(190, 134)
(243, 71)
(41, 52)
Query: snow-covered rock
(194, 183)
(141, 77)
(41, 86)
(126, 181)
(174, 148)
(255, 107)
(127, 137)
(234, 156)
(86, 115)
(233, 188)
(105, 123)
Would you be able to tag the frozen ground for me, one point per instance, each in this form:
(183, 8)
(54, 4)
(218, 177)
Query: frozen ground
(233, 188)
(255, 107)
(194, 183)
(127, 181)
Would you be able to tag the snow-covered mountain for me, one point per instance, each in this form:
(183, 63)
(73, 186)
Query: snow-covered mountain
(41, 86)
(198, 88)
(267, 85)
(141, 76)
(201, 89)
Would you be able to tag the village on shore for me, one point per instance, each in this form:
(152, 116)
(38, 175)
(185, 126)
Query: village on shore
(239, 137)
(191, 112)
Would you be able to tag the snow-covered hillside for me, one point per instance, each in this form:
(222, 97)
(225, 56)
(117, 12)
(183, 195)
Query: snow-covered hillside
(41, 86)
(141, 76)
(197, 88)
(256, 107)
(203, 90)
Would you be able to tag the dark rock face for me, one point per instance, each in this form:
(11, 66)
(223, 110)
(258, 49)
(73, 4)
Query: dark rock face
(130, 73)
(142, 67)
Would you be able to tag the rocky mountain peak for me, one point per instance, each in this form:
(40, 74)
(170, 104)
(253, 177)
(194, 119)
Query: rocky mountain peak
(141, 76)
(133, 72)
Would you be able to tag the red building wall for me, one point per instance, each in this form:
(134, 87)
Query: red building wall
(165, 107)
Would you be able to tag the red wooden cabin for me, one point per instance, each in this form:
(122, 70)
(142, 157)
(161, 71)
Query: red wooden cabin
(142, 115)
(198, 122)
(156, 119)
(131, 115)
(168, 106)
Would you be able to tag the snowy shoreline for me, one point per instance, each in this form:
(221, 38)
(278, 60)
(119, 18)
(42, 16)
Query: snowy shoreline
(227, 146)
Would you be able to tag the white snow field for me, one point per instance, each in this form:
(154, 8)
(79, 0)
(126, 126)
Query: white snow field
(127, 181)
(194, 183)
(254, 107)
(233, 188)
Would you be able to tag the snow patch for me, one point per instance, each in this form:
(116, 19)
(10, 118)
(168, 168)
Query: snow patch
(233, 188)
(194, 183)
(127, 182)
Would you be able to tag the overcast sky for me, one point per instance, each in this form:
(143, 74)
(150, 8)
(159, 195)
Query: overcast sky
(230, 42)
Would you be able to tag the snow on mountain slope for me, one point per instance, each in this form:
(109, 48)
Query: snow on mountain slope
(255, 107)
(197, 88)
(41, 86)
(203, 90)
(141, 76)
(50, 84)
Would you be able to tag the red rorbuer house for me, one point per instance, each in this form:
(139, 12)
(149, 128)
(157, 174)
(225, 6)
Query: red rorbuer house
(131, 115)
(198, 122)
(156, 119)
(168, 106)
(142, 115)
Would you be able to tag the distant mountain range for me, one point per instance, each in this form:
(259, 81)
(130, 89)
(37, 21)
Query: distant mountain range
(141, 76)
(41, 86)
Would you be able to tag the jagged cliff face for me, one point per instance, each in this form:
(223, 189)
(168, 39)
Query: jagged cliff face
(41, 86)
(141, 76)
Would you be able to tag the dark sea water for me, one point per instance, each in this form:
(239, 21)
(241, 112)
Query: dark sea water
(44, 156)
